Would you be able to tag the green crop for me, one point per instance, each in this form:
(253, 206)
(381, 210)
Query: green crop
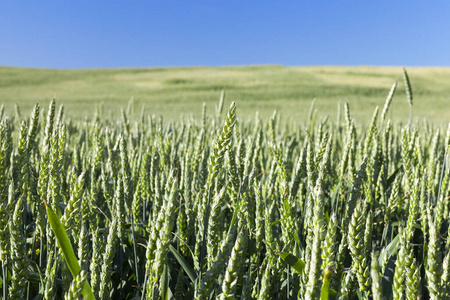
(224, 208)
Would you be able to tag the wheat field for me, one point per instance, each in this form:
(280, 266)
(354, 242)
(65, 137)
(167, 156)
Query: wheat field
(222, 206)
(171, 92)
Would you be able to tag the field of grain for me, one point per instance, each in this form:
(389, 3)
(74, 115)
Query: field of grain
(170, 92)
(222, 206)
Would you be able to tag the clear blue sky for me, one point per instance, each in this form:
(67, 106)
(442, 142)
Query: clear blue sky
(92, 34)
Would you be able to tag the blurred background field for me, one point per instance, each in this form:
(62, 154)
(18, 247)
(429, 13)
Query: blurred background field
(175, 92)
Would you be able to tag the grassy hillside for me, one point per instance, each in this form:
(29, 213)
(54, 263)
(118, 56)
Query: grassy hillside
(173, 91)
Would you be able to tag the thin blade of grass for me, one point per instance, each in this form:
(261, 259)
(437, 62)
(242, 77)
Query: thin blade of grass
(66, 247)
(325, 292)
(183, 263)
(296, 263)
(165, 284)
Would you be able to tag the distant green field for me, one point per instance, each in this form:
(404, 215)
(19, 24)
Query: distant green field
(172, 92)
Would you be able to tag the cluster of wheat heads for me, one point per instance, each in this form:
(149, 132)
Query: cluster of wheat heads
(221, 208)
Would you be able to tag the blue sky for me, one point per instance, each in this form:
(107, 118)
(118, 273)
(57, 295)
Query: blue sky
(93, 34)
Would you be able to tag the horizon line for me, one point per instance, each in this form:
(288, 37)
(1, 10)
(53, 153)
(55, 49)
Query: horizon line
(225, 66)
